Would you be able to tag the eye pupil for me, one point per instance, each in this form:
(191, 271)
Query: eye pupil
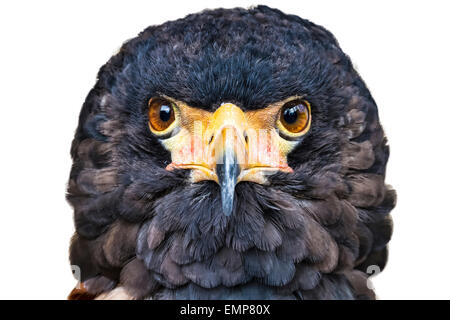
(165, 113)
(290, 115)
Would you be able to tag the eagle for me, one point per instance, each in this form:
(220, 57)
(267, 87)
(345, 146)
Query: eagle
(231, 154)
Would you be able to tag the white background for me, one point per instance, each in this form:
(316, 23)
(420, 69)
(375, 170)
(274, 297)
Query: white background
(50, 54)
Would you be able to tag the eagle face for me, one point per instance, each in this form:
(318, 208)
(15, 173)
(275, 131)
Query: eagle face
(229, 146)
(232, 154)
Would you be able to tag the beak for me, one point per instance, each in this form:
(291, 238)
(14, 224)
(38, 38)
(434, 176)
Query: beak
(228, 151)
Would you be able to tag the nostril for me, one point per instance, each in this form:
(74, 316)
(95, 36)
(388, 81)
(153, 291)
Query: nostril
(211, 139)
(245, 137)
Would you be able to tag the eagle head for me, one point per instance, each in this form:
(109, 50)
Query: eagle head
(231, 154)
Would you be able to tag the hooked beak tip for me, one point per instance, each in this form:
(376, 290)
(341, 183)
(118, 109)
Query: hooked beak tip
(228, 173)
(227, 194)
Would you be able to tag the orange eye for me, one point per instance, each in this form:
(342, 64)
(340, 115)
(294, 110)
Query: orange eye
(161, 113)
(295, 116)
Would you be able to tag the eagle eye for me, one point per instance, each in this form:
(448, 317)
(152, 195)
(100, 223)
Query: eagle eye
(295, 116)
(161, 114)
